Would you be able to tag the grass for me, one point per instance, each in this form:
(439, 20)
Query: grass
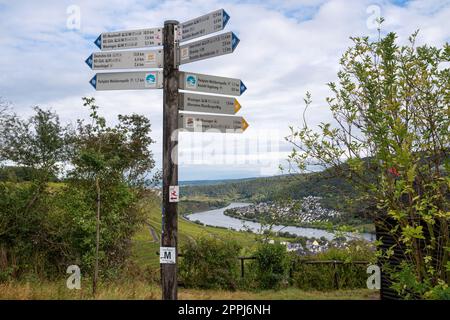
(144, 248)
(144, 291)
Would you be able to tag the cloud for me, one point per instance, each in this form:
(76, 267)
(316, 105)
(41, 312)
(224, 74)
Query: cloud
(287, 48)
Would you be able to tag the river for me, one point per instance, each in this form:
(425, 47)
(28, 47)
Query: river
(217, 218)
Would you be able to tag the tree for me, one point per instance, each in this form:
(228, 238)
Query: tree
(390, 137)
(35, 147)
(37, 143)
(106, 159)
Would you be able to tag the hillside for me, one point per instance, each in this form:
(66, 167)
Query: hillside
(145, 246)
(333, 191)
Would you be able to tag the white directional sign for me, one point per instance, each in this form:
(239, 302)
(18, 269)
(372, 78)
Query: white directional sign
(213, 123)
(128, 80)
(211, 84)
(206, 103)
(210, 47)
(128, 39)
(201, 26)
(126, 60)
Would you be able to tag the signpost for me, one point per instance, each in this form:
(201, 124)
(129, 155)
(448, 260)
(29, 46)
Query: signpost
(221, 44)
(129, 39)
(128, 80)
(125, 60)
(215, 123)
(209, 104)
(169, 235)
(201, 26)
(211, 84)
(171, 80)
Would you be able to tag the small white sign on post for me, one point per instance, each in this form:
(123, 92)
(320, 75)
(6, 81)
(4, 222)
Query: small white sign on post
(167, 255)
(174, 193)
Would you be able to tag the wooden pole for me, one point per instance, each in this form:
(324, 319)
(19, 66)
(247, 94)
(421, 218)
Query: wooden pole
(169, 237)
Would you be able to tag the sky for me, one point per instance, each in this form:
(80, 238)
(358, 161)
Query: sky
(287, 47)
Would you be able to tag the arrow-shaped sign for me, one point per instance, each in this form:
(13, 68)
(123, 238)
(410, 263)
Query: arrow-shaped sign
(211, 123)
(210, 47)
(126, 60)
(207, 103)
(128, 80)
(127, 39)
(211, 84)
(206, 24)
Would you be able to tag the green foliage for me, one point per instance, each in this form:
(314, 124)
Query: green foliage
(390, 139)
(21, 174)
(39, 142)
(271, 266)
(44, 226)
(186, 207)
(210, 263)
(340, 276)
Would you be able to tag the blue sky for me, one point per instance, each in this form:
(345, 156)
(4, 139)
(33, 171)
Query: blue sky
(287, 47)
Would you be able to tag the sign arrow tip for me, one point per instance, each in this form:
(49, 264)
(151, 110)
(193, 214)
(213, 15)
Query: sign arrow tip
(89, 61)
(237, 106)
(93, 82)
(225, 18)
(98, 41)
(234, 41)
(245, 125)
(243, 87)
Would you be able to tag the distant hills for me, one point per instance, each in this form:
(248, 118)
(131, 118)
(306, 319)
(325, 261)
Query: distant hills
(211, 182)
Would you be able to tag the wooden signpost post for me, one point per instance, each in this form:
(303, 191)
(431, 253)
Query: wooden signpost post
(212, 112)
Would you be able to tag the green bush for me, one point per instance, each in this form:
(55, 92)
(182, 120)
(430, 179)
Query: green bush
(327, 276)
(210, 263)
(44, 231)
(271, 266)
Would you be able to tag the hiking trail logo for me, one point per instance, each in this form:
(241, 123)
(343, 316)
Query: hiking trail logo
(150, 80)
(191, 81)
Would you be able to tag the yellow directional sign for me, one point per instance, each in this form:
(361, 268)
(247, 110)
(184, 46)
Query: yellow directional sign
(208, 103)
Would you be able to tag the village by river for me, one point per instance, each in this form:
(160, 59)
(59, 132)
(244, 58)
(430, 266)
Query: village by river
(217, 218)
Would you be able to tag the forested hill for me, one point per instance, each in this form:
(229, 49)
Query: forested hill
(296, 186)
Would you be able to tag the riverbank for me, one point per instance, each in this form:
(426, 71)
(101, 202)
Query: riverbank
(217, 218)
(328, 226)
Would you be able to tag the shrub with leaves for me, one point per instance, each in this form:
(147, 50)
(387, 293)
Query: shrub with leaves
(271, 266)
(209, 263)
(390, 137)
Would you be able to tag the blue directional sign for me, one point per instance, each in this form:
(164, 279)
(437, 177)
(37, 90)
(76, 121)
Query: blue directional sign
(211, 84)
(206, 24)
(125, 60)
(221, 44)
(128, 80)
(128, 39)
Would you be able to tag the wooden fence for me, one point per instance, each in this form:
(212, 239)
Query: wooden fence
(335, 264)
